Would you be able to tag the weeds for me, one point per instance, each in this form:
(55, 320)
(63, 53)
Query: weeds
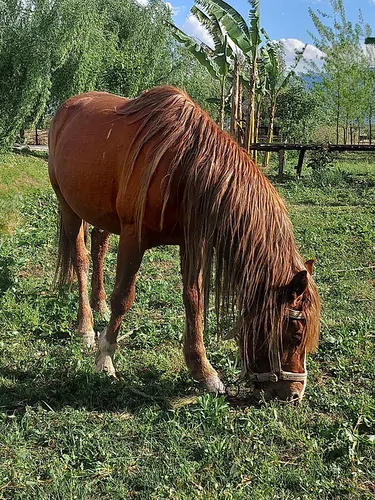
(67, 432)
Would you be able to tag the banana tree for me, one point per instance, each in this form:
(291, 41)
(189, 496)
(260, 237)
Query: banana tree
(277, 81)
(217, 60)
(260, 92)
(222, 53)
(234, 120)
(247, 38)
(254, 17)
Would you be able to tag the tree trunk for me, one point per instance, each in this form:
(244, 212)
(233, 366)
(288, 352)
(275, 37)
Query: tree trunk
(22, 136)
(281, 165)
(235, 96)
(270, 133)
(36, 136)
(359, 133)
(222, 102)
(240, 128)
(338, 116)
(370, 126)
(257, 125)
(251, 118)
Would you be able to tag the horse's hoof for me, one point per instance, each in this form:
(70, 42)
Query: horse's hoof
(88, 338)
(103, 363)
(214, 385)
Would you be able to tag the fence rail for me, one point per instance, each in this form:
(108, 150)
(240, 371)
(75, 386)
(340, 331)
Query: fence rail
(274, 147)
(281, 147)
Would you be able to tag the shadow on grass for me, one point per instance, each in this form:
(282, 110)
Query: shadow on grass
(89, 390)
(26, 151)
(97, 392)
(5, 274)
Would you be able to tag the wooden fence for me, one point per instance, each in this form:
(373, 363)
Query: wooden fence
(302, 148)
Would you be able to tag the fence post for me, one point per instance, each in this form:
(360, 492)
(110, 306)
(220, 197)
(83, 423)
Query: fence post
(300, 162)
(281, 165)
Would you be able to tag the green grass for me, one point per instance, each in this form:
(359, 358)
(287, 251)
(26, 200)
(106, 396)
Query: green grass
(67, 432)
(19, 176)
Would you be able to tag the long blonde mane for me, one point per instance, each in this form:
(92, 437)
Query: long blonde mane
(229, 209)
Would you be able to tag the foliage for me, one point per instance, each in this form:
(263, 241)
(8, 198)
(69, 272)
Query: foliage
(28, 37)
(144, 52)
(68, 432)
(52, 50)
(190, 75)
(298, 112)
(346, 81)
(216, 60)
(320, 161)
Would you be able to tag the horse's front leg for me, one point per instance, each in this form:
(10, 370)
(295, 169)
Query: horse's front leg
(194, 350)
(129, 257)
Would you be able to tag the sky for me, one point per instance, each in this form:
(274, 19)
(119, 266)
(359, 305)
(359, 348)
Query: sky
(286, 20)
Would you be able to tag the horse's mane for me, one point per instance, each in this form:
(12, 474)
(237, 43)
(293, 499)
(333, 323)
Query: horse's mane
(236, 225)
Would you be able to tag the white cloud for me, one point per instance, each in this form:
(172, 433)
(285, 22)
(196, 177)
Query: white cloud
(194, 28)
(312, 53)
(174, 10)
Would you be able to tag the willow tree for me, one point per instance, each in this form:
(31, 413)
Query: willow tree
(28, 42)
(46, 48)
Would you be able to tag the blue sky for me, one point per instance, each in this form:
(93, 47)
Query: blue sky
(283, 19)
(288, 18)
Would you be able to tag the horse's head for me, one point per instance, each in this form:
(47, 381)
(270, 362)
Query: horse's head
(277, 365)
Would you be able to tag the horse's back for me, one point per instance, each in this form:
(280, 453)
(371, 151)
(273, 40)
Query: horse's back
(89, 143)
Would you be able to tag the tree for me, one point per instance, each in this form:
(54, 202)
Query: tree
(298, 111)
(248, 39)
(341, 78)
(52, 49)
(276, 81)
(217, 59)
(28, 42)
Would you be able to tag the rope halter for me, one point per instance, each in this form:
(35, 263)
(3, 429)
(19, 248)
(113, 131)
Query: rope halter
(279, 373)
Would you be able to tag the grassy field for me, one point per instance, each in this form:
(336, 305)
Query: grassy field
(69, 433)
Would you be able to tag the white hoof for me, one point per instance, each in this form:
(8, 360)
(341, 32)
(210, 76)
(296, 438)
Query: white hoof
(215, 385)
(104, 363)
(104, 356)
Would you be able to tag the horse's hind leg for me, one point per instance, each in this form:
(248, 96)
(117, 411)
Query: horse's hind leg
(73, 230)
(99, 247)
(194, 350)
(129, 257)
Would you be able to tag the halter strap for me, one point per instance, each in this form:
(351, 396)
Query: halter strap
(293, 314)
(280, 374)
(275, 377)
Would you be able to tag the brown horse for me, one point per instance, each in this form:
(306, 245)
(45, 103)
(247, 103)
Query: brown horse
(157, 170)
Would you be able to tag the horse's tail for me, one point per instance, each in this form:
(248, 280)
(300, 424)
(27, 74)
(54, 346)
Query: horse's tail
(64, 267)
(65, 272)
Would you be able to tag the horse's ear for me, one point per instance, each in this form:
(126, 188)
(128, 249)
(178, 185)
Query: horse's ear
(309, 264)
(297, 286)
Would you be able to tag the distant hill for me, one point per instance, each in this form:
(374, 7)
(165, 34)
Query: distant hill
(310, 79)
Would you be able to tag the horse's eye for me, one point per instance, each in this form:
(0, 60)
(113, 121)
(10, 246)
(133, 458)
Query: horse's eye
(297, 337)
